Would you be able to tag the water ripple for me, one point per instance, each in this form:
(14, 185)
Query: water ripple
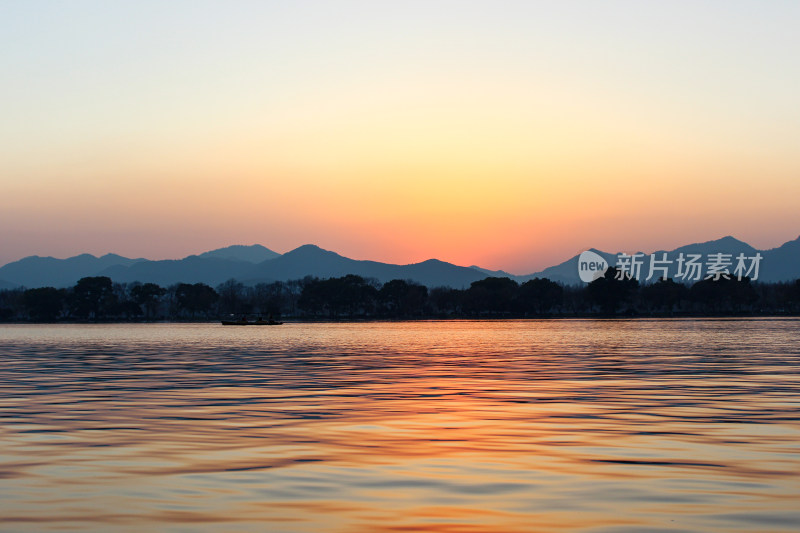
(461, 426)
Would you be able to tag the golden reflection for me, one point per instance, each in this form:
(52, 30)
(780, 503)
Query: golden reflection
(426, 426)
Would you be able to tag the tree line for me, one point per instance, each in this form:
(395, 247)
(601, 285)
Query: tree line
(354, 297)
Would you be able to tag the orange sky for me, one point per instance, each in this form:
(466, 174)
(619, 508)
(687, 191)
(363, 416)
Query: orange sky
(510, 136)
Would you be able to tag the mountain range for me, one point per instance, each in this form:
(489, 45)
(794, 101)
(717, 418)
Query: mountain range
(777, 264)
(257, 264)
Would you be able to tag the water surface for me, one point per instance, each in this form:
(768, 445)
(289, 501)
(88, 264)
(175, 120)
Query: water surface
(458, 426)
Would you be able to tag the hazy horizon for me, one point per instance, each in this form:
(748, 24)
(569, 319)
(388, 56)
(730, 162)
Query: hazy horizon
(507, 135)
(510, 271)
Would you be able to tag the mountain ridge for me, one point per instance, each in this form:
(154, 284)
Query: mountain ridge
(778, 264)
(241, 262)
(253, 253)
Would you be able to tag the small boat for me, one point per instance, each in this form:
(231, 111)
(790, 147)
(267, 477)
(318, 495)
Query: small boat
(244, 322)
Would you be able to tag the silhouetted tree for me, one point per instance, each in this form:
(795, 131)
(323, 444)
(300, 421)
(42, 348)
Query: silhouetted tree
(490, 295)
(446, 301)
(664, 295)
(576, 300)
(93, 297)
(271, 298)
(723, 294)
(232, 298)
(196, 298)
(12, 303)
(294, 288)
(45, 304)
(401, 298)
(539, 296)
(611, 290)
(148, 296)
(349, 295)
(793, 296)
(312, 296)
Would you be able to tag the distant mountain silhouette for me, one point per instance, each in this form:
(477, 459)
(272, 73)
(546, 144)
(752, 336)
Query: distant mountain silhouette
(256, 264)
(495, 273)
(38, 271)
(310, 260)
(778, 264)
(192, 269)
(567, 272)
(726, 245)
(252, 254)
(236, 262)
(781, 263)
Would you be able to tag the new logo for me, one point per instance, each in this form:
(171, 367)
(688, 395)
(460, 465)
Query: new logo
(591, 266)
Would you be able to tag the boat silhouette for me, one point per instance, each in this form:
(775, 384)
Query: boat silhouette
(257, 322)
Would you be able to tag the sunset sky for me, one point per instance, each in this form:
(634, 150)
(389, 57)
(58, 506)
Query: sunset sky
(510, 135)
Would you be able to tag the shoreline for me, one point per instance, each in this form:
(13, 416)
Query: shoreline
(299, 320)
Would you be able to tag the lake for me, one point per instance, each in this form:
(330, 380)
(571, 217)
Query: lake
(443, 426)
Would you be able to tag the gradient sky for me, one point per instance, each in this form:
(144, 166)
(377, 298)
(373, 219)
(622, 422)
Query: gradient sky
(506, 134)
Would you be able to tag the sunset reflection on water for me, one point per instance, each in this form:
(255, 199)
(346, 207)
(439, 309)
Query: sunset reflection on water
(459, 426)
